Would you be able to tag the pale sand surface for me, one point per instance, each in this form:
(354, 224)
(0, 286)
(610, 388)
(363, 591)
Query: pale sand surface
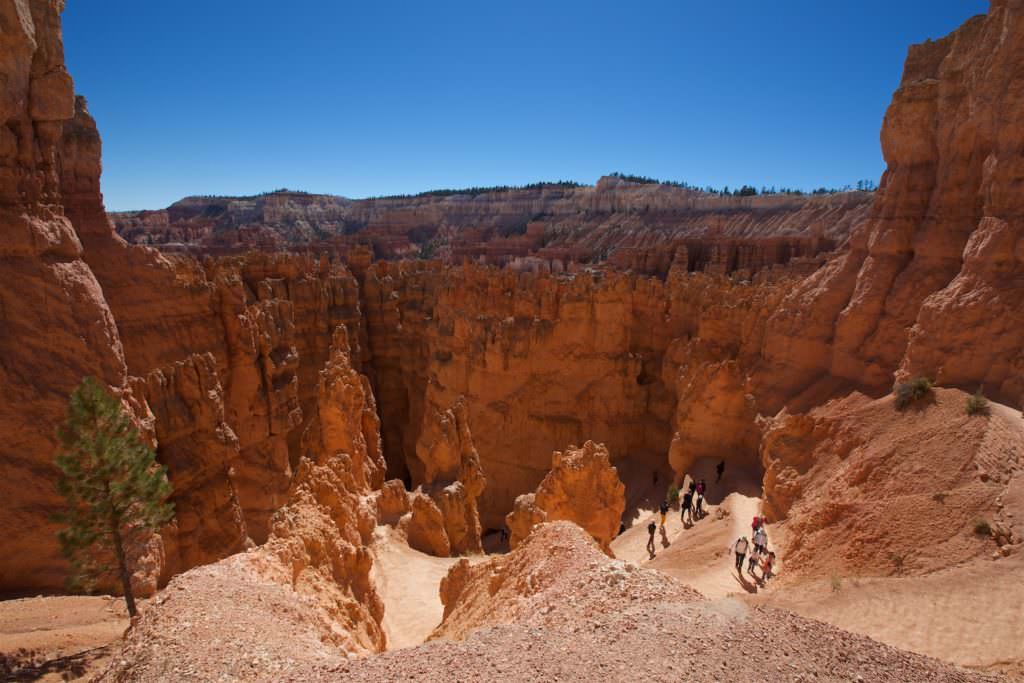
(972, 615)
(408, 581)
(58, 638)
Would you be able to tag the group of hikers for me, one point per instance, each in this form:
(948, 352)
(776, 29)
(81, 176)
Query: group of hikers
(691, 509)
(756, 553)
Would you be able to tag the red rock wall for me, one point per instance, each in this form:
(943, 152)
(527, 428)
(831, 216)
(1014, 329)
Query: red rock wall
(934, 274)
(543, 360)
(55, 327)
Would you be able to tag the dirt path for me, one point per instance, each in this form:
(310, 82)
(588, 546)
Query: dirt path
(699, 555)
(61, 638)
(408, 582)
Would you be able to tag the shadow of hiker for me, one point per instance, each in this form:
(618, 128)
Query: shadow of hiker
(26, 665)
(742, 580)
(664, 538)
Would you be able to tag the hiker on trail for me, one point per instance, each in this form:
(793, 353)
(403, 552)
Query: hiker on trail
(720, 469)
(699, 506)
(693, 485)
(651, 529)
(766, 566)
(753, 560)
(755, 525)
(687, 508)
(664, 511)
(761, 540)
(741, 552)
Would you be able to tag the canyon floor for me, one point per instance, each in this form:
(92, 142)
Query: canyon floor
(58, 638)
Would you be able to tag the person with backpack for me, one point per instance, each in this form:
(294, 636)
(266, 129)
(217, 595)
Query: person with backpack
(664, 512)
(652, 528)
(687, 508)
(761, 540)
(755, 524)
(740, 548)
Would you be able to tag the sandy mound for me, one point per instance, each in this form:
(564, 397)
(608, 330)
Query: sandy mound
(557, 559)
(870, 490)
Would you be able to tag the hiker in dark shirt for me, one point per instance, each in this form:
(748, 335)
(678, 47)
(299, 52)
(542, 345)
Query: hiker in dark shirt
(687, 511)
(651, 529)
(664, 511)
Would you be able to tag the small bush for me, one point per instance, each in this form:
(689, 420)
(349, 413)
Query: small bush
(982, 527)
(837, 584)
(940, 496)
(673, 493)
(912, 391)
(977, 404)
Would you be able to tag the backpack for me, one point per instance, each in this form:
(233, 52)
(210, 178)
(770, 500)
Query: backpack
(651, 528)
(664, 507)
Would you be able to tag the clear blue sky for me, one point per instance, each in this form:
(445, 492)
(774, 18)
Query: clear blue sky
(368, 98)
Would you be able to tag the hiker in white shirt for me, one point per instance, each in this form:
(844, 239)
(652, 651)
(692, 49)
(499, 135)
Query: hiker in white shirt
(761, 540)
(741, 552)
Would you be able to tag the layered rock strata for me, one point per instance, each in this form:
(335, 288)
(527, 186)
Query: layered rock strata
(184, 404)
(547, 359)
(640, 226)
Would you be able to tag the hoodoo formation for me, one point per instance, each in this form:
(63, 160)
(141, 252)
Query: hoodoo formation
(357, 402)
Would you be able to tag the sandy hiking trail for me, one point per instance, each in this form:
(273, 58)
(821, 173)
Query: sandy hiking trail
(699, 555)
(409, 583)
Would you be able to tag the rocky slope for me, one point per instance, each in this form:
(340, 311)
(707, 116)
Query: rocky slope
(872, 490)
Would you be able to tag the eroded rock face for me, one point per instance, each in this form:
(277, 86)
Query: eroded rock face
(440, 516)
(198, 448)
(582, 487)
(932, 274)
(450, 468)
(541, 359)
(57, 327)
(313, 572)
